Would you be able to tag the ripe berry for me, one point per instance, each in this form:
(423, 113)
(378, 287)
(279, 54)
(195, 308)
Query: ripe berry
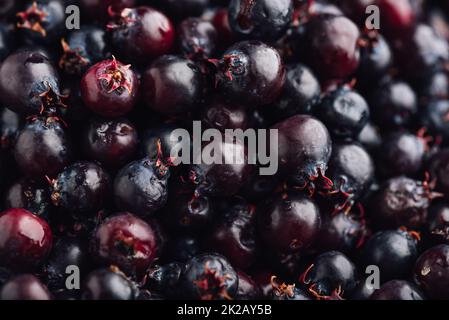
(247, 289)
(402, 201)
(209, 277)
(26, 239)
(24, 287)
(10, 125)
(221, 115)
(330, 276)
(7, 43)
(304, 148)
(344, 112)
(29, 83)
(300, 93)
(106, 284)
(393, 251)
(125, 241)
(98, 9)
(398, 290)
(110, 88)
(82, 187)
(288, 223)
(141, 33)
(397, 16)
(29, 195)
(42, 148)
(432, 272)
(82, 49)
(439, 168)
(172, 85)
(261, 20)
(332, 50)
(111, 142)
(437, 225)
(197, 38)
(156, 141)
(250, 72)
(141, 187)
(42, 21)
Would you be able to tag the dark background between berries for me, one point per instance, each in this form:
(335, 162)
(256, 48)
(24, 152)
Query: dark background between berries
(86, 178)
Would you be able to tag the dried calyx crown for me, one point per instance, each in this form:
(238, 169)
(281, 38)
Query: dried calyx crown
(32, 19)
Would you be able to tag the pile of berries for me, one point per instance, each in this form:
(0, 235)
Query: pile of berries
(95, 206)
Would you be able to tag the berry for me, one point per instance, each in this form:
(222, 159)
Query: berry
(402, 201)
(370, 137)
(141, 187)
(105, 284)
(26, 239)
(398, 290)
(7, 42)
(432, 272)
(287, 292)
(288, 223)
(24, 287)
(82, 187)
(110, 88)
(397, 16)
(393, 251)
(42, 148)
(234, 236)
(251, 73)
(300, 93)
(437, 224)
(172, 85)
(209, 277)
(221, 115)
(156, 141)
(376, 58)
(98, 9)
(186, 8)
(29, 195)
(181, 248)
(42, 21)
(344, 112)
(304, 148)
(261, 20)
(29, 83)
(82, 49)
(332, 50)
(10, 125)
(197, 38)
(331, 275)
(141, 33)
(438, 167)
(247, 288)
(125, 241)
(111, 142)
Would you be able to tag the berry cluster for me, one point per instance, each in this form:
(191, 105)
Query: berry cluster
(88, 179)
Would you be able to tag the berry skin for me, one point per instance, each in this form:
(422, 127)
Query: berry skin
(110, 88)
(331, 275)
(432, 272)
(437, 225)
(82, 187)
(82, 49)
(29, 195)
(234, 236)
(42, 21)
(168, 94)
(401, 201)
(141, 33)
(24, 287)
(402, 154)
(105, 284)
(398, 16)
(247, 289)
(125, 241)
(181, 248)
(344, 112)
(394, 104)
(7, 43)
(251, 73)
(42, 148)
(398, 290)
(221, 115)
(351, 169)
(289, 223)
(197, 38)
(393, 251)
(186, 8)
(156, 142)
(225, 178)
(304, 148)
(376, 59)
(439, 168)
(25, 240)
(332, 50)
(435, 117)
(300, 93)
(29, 83)
(10, 125)
(66, 252)
(111, 142)
(141, 187)
(260, 20)
(209, 277)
